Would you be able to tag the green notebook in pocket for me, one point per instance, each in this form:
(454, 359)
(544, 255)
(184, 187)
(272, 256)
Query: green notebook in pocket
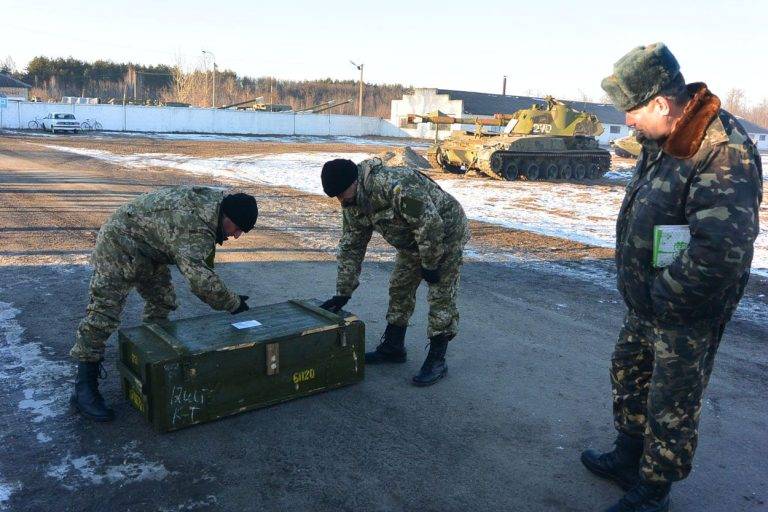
(668, 242)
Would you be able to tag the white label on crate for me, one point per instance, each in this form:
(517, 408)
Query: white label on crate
(246, 324)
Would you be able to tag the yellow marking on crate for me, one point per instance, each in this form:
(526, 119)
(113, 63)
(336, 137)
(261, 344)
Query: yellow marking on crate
(135, 399)
(303, 376)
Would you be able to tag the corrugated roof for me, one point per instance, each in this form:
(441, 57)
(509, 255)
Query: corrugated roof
(751, 127)
(483, 104)
(9, 81)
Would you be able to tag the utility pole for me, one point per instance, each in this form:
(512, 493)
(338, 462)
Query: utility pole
(360, 93)
(213, 57)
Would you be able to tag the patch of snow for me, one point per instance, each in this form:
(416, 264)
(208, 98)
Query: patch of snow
(300, 171)
(584, 213)
(24, 367)
(91, 469)
(622, 174)
(579, 212)
(209, 501)
(6, 490)
(289, 139)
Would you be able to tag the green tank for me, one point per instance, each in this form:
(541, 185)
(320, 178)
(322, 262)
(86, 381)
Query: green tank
(554, 142)
(627, 147)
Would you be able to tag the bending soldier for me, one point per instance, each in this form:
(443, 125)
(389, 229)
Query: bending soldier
(428, 228)
(174, 225)
(698, 168)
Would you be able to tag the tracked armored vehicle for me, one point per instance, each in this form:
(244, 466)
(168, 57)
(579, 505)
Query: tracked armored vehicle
(627, 147)
(554, 142)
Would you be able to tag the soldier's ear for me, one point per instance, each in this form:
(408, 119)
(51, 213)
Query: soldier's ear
(662, 105)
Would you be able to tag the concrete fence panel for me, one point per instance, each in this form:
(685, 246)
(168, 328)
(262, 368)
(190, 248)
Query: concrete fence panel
(137, 118)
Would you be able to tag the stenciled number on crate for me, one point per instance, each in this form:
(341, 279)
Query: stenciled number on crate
(303, 376)
(136, 400)
(185, 403)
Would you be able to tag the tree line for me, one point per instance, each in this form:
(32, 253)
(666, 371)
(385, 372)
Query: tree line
(115, 82)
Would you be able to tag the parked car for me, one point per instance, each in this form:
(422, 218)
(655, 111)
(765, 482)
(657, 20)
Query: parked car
(60, 122)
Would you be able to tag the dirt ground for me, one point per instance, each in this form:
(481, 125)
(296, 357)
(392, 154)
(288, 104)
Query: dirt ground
(528, 386)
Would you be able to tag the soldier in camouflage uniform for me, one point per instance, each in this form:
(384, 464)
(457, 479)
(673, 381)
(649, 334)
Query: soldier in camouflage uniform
(174, 225)
(698, 168)
(428, 228)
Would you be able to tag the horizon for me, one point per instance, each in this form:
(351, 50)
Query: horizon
(558, 48)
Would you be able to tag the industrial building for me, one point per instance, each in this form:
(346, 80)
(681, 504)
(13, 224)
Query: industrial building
(467, 104)
(13, 89)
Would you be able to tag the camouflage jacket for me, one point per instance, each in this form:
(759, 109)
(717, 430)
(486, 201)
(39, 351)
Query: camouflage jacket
(407, 208)
(177, 225)
(707, 175)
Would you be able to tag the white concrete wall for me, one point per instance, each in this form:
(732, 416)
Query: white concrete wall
(607, 136)
(134, 118)
(424, 101)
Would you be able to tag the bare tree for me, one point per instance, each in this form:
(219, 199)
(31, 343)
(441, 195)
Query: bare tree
(735, 102)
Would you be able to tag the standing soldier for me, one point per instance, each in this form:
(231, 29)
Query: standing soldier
(428, 228)
(697, 168)
(174, 225)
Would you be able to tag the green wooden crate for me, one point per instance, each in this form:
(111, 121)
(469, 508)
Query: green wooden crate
(191, 371)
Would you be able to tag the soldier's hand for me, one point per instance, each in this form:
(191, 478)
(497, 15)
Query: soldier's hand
(335, 303)
(243, 305)
(430, 276)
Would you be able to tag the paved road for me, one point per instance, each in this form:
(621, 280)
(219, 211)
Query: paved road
(528, 386)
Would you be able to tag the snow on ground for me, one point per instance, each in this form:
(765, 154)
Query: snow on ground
(6, 489)
(289, 139)
(575, 211)
(25, 368)
(295, 139)
(75, 472)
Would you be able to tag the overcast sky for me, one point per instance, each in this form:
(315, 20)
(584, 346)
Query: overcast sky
(544, 46)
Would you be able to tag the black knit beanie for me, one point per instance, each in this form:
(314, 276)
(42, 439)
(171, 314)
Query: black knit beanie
(241, 209)
(337, 175)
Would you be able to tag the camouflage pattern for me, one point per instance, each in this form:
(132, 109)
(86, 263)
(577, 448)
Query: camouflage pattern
(717, 193)
(664, 355)
(425, 224)
(659, 374)
(441, 296)
(174, 225)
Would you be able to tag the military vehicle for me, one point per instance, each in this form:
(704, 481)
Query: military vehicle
(554, 142)
(627, 147)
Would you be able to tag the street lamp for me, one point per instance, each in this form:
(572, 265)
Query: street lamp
(360, 94)
(213, 57)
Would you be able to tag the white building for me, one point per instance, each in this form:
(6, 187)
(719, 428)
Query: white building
(476, 104)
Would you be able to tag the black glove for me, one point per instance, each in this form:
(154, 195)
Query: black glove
(243, 305)
(335, 303)
(430, 276)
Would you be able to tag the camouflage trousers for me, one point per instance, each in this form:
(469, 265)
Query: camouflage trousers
(405, 280)
(659, 373)
(115, 272)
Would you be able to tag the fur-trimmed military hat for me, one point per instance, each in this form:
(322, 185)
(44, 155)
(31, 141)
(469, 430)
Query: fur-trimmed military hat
(643, 73)
(337, 175)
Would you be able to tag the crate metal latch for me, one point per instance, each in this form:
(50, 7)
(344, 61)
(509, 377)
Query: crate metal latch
(273, 358)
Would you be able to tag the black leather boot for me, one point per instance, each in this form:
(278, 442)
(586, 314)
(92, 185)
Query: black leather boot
(87, 399)
(622, 465)
(644, 497)
(434, 367)
(392, 347)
